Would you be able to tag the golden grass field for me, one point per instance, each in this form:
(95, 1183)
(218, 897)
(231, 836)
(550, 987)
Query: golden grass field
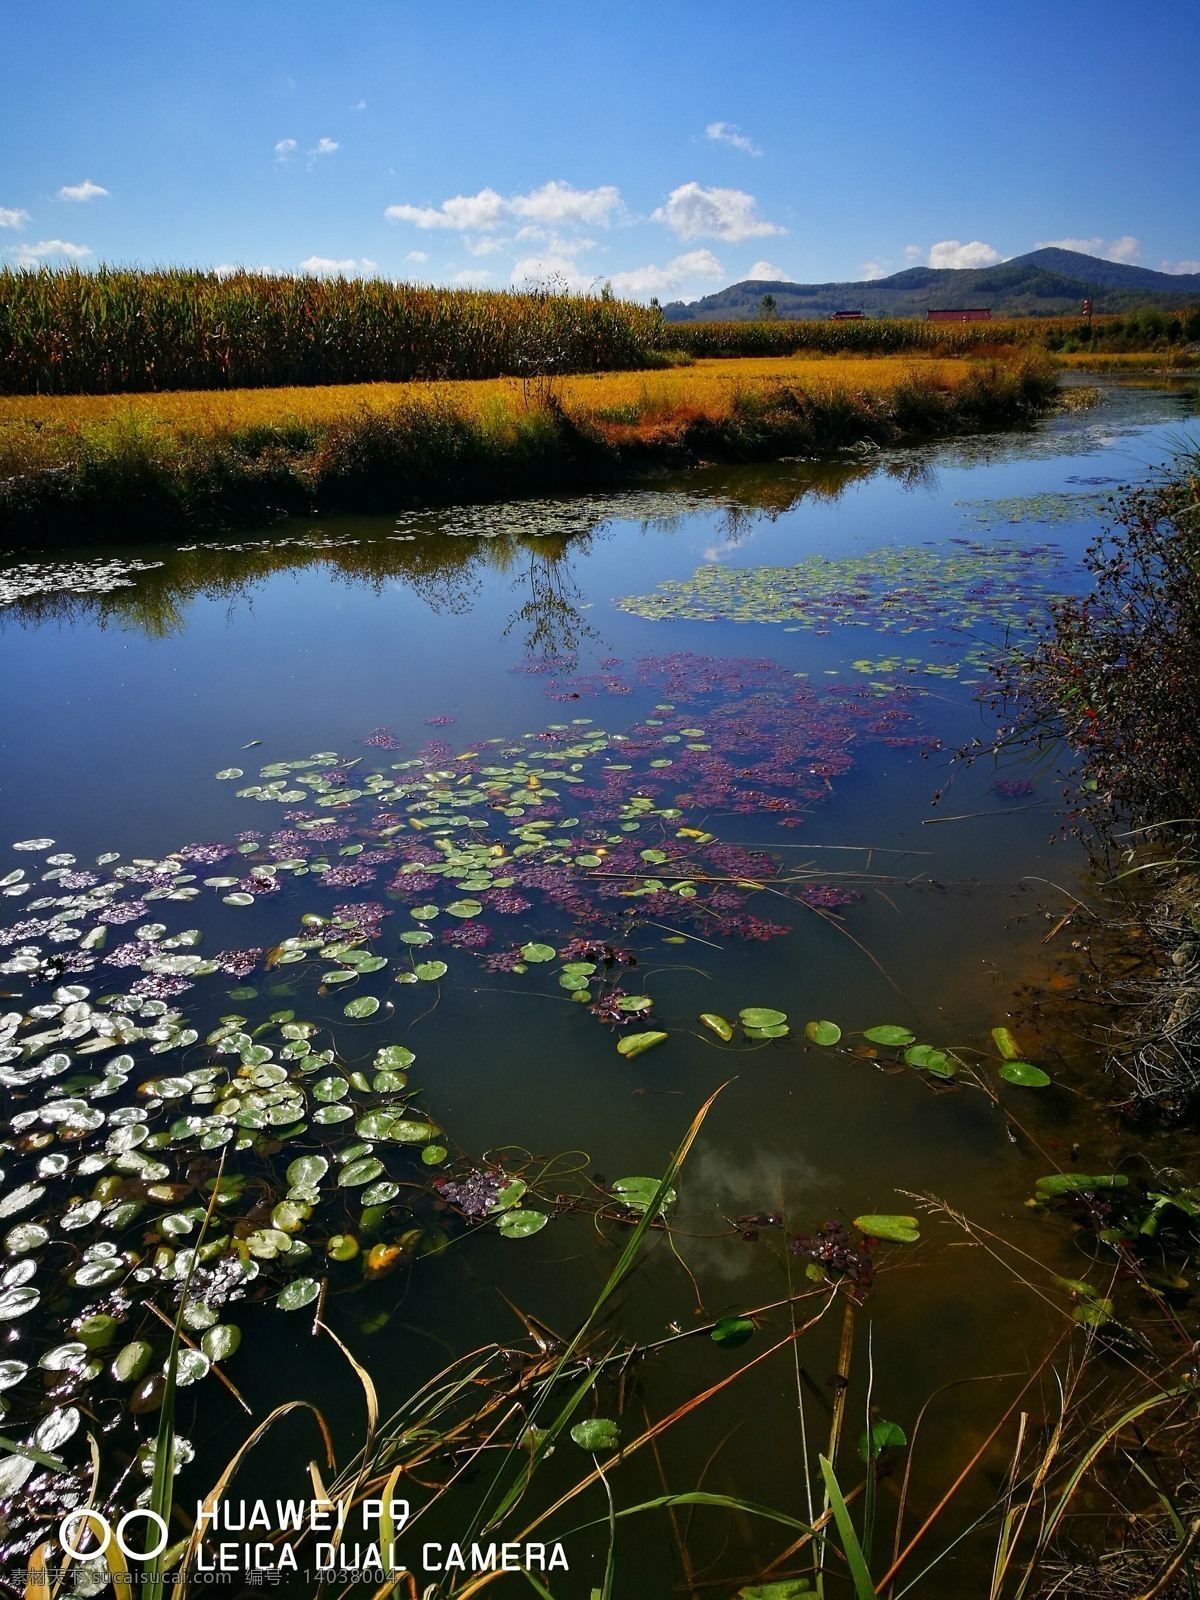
(707, 387)
(1127, 360)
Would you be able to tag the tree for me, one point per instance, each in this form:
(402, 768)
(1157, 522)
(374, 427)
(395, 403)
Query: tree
(767, 309)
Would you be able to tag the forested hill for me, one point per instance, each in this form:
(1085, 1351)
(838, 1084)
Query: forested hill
(1044, 281)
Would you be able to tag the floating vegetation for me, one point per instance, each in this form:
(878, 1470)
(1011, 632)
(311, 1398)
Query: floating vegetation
(26, 579)
(278, 1153)
(996, 586)
(1052, 508)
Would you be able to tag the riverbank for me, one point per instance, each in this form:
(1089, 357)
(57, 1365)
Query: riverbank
(1114, 679)
(146, 466)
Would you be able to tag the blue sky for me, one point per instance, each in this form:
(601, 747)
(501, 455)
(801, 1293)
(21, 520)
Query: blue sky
(670, 148)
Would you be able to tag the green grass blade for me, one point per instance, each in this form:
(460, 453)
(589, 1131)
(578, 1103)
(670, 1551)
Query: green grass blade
(864, 1588)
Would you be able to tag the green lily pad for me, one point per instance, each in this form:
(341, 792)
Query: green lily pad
(1025, 1074)
(598, 1433)
(896, 1229)
(730, 1332)
(1060, 1183)
(762, 1017)
(1006, 1044)
(883, 1436)
(299, 1293)
(520, 1223)
(926, 1059)
(638, 1194)
(717, 1024)
(634, 1044)
(355, 1173)
(430, 971)
(538, 952)
(888, 1033)
(826, 1033)
(220, 1341)
(365, 1006)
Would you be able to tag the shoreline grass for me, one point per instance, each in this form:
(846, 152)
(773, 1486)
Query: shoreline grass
(110, 467)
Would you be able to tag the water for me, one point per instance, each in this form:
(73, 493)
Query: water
(493, 624)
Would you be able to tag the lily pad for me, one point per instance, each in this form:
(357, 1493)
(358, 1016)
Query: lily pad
(1006, 1044)
(638, 1194)
(635, 1044)
(297, 1294)
(598, 1433)
(717, 1024)
(730, 1332)
(896, 1229)
(888, 1033)
(365, 1006)
(1025, 1074)
(520, 1223)
(882, 1436)
(826, 1033)
(762, 1017)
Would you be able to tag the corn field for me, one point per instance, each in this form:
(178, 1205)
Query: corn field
(110, 332)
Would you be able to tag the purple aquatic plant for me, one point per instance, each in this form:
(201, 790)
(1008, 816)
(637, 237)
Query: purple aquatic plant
(159, 986)
(475, 1193)
(238, 963)
(471, 936)
(348, 876)
(123, 911)
(204, 855)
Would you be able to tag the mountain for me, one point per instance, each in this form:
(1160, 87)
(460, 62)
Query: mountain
(1044, 282)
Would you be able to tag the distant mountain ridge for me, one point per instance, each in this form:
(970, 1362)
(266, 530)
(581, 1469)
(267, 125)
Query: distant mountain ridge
(1044, 282)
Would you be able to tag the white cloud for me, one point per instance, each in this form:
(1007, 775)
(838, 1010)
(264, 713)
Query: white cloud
(1126, 249)
(284, 149)
(32, 255)
(1086, 247)
(553, 242)
(417, 255)
(950, 253)
(477, 212)
(695, 213)
(764, 271)
(472, 278)
(730, 133)
(1180, 266)
(662, 280)
(359, 105)
(554, 204)
(331, 267)
(87, 190)
(230, 269)
(558, 203)
(13, 217)
(323, 147)
(879, 267)
(488, 245)
(913, 254)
